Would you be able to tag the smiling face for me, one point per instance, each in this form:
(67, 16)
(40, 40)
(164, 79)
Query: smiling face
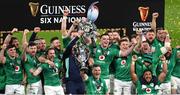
(104, 41)
(124, 45)
(56, 44)
(12, 52)
(32, 50)
(161, 35)
(15, 42)
(51, 54)
(145, 48)
(96, 71)
(42, 44)
(147, 76)
(150, 36)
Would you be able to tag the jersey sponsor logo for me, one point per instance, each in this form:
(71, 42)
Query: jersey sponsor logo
(17, 68)
(123, 62)
(148, 90)
(102, 57)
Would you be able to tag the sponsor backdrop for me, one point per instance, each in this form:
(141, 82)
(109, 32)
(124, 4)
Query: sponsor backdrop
(47, 14)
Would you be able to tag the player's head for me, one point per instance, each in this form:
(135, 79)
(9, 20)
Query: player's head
(96, 71)
(11, 50)
(50, 53)
(145, 47)
(124, 44)
(14, 41)
(104, 41)
(32, 48)
(55, 43)
(150, 35)
(147, 75)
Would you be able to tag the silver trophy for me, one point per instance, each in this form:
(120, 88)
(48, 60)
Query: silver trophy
(89, 28)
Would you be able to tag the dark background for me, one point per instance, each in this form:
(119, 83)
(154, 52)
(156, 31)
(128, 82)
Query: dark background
(112, 13)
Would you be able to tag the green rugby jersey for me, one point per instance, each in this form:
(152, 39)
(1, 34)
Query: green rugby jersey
(146, 89)
(104, 57)
(50, 73)
(122, 68)
(31, 63)
(95, 87)
(13, 70)
(2, 77)
(170, 65)
(176, 70)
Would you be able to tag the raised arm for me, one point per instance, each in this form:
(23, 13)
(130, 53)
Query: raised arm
(167, 43)
(162, 75)
(25, 44)
(8, 38)
(127, 52)
(138, 46)
(2, 57)
(33, 36)
(133, 74)
(63, 24)
(153, 25)
(68, 50)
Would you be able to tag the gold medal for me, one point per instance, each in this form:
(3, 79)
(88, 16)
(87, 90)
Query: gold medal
(102, 57)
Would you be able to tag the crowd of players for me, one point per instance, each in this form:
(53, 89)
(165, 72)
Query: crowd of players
(141, 64)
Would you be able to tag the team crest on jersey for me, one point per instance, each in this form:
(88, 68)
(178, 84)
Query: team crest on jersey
(101, 57)
(17, 68)
(148, 90)
(123, 62)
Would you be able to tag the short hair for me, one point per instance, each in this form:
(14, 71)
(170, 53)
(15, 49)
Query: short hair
(54, 38)
(108, 31)
(150, 31)
(159, 28)
(95, 65)
(123, 40)
(31, 44)
(105, 34)
(147, 70)
(145, 42)
(133, 36)
(12, 39)
(10, 46)
(49, 50)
